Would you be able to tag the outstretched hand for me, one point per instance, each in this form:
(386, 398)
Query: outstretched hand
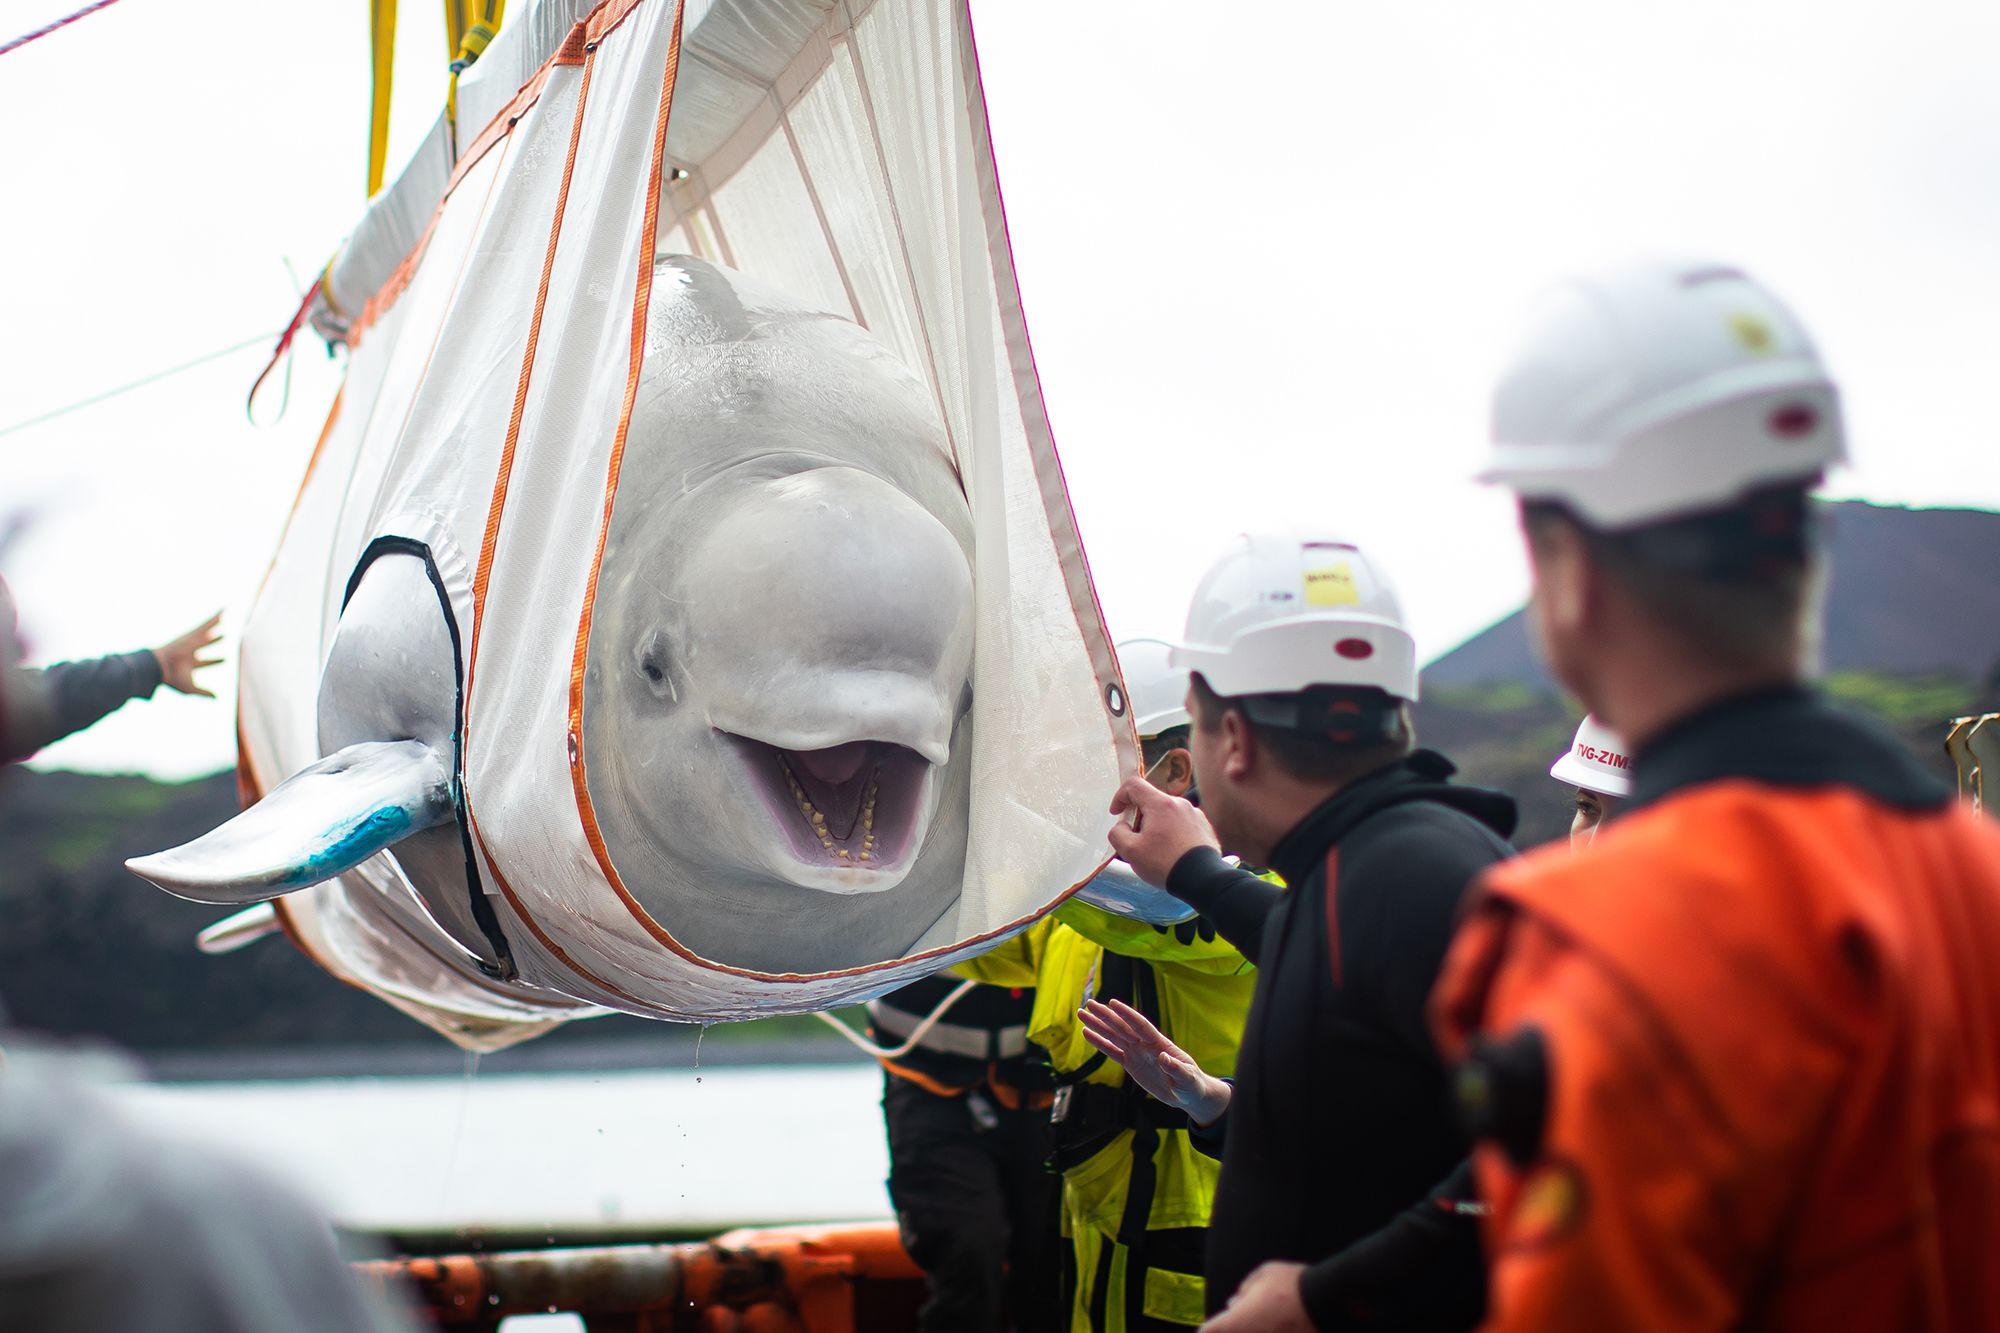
(1154, 1063)
(181, 658)
(1163, 829)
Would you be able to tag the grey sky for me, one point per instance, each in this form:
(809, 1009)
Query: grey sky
(1268, 264)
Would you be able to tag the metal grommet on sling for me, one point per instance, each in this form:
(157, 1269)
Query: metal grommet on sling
(1114, 699)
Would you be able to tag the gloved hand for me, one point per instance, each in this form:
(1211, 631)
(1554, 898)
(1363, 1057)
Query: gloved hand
(1154, 1063)
(1187, 931)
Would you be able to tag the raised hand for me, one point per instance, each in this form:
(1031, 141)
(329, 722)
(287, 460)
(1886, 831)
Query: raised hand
(1154, 1063)
(181, 658)
(1164, 829)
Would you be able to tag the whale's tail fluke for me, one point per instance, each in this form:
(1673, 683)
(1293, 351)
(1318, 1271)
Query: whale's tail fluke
(326, 818)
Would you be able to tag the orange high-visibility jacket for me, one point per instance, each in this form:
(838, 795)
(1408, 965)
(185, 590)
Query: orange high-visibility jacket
(1740, 1058)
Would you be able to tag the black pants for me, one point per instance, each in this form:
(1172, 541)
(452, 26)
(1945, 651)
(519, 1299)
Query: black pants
(978, 1210)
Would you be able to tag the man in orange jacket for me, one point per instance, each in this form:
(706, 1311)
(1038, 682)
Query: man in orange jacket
(1735, 1064)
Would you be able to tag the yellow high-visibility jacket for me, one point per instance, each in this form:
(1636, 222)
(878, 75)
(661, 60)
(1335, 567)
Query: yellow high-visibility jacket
(1201, 990)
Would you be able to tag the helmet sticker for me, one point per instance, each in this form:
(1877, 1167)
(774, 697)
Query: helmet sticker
(1755, 334)
(1332, 585)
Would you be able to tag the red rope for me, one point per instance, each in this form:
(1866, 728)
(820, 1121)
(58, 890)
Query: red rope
(284, 344)
(45, 30)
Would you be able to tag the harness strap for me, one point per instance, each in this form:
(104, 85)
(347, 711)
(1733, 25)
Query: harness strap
(960, 1039)
(1145, 1138)
(1100, 1288)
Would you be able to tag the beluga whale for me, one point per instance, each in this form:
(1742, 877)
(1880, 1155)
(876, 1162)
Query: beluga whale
(777, 696)
(682, 612)
(776, 683)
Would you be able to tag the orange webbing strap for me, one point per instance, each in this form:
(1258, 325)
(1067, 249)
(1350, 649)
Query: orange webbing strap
(922, 1080)
(382, 47)
(1014, 1098)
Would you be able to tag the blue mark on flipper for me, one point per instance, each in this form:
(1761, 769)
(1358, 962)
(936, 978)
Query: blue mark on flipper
(378, 830)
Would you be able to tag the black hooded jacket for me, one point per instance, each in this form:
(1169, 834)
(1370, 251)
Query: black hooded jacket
(1340, 1125)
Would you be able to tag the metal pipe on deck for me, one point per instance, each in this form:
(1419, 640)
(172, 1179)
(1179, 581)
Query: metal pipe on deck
(831, 1279)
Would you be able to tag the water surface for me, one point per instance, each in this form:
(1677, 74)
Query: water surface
(692, 1148)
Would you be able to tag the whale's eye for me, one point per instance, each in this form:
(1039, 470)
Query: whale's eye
(654, 664)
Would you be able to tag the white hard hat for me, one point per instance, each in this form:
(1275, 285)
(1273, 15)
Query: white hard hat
(1662, 389)
(1596, 760)
(1282, 612)
(1158, 693)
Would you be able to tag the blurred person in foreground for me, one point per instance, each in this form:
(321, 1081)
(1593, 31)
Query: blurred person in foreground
(106, 1224)
(111, 1225)
(1343, 1199)
(1735, 1064)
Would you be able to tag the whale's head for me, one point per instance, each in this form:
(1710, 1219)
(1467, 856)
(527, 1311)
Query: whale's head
(814, 646)
(779, 673)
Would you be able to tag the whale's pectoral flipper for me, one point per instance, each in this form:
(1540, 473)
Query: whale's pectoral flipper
(239, 930)
(326, 818)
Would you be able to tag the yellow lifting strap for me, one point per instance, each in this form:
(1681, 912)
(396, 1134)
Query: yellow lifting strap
(382, 41)
(469, 25)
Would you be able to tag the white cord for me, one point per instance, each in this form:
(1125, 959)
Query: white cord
(897, 1052)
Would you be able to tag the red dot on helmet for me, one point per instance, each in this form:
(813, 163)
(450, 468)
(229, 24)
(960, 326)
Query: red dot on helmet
(1793, 420)
(1354, 649)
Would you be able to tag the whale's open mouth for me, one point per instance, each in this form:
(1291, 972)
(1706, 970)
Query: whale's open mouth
(860, 806)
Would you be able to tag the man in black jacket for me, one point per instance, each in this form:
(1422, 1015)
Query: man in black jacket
(1342, 1200)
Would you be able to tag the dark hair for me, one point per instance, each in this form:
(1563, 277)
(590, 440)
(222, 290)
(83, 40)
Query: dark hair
(1153, 748)
(1733, 581)
(1328, 733)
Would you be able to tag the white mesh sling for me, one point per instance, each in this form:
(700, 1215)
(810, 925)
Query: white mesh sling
(690, 502)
